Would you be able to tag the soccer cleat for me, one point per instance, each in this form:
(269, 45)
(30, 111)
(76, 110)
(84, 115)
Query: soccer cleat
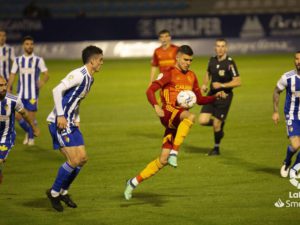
(284, 171)
(128, 190)
(55, 201)
(25, 141)
(68, 201)
(30, 142)
(213, 152)
(172, 160)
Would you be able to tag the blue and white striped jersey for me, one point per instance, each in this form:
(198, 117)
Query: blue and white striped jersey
(29, 68)
(78, 83)
(7, 55)
(290, 81)
(8, 106)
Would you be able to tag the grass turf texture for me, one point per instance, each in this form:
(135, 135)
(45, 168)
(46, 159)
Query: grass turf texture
(122, 135)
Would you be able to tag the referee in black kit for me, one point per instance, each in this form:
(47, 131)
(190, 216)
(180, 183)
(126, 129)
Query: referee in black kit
(223, 74)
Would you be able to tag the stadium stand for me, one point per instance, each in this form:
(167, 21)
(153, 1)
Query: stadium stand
(96, 8)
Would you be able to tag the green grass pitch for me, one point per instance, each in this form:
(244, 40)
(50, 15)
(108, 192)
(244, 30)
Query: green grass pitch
(122, 135)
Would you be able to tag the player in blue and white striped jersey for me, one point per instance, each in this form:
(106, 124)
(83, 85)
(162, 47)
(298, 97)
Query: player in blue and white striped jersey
(290, 82)
(7, 55)
(29, 67)
(64, 124)
(8, 105)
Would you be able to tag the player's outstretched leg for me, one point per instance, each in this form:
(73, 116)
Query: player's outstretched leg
(151, 169)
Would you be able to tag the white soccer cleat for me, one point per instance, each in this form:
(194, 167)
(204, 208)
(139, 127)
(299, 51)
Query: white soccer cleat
(284, 171)
(128, 190)
(30, 142)
(172, 160)
(25, 141)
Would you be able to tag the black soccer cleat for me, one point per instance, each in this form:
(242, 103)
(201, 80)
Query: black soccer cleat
(214, 152)
(68, 201)
(55, 201)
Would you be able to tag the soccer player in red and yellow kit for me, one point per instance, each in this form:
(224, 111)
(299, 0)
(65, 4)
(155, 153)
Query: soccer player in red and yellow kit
(175, 119)
(164, 57)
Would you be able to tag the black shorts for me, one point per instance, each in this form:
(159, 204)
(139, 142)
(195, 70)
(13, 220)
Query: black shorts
(219, 108)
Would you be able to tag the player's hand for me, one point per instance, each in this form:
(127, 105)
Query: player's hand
(275, 117)
(36, 131)
(41, 84)
(221, 95)
(217, 85)
(62, 122)
(159, 111)
(204, 88)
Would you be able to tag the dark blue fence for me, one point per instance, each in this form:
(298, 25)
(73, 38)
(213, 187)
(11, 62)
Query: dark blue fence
(132, 28)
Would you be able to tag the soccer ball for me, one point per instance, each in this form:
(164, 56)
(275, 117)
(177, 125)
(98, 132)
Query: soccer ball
(186, 99)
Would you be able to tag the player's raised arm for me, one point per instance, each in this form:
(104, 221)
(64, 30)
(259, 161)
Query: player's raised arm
(276, 96)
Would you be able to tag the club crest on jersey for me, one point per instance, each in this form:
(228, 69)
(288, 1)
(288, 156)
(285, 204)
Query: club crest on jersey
(3, 148)
(67, 139)
(32, 101)
(6, 107)
(221, 73)
(159, 76)
(291, 129)
(70, 77)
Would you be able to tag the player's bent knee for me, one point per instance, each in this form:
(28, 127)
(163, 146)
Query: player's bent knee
(192, 117)
(203, 120)
(83, 161)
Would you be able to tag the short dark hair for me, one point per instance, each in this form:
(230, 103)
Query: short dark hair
(90, 51)
(164, 31)
(297, 52)
(185, 49)
(2, 30)
(26, 38)
(221, 39)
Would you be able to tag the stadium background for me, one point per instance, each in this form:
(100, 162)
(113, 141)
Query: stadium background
(121, 130)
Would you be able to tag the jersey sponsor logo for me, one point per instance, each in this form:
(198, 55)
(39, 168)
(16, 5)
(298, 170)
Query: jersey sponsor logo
(27, 70)
(221, 73)
(169, 62)
(296, 93)
(4, 57)
(183, 87)
(4, 118)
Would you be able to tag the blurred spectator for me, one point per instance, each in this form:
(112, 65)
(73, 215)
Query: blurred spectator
(32, 11)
